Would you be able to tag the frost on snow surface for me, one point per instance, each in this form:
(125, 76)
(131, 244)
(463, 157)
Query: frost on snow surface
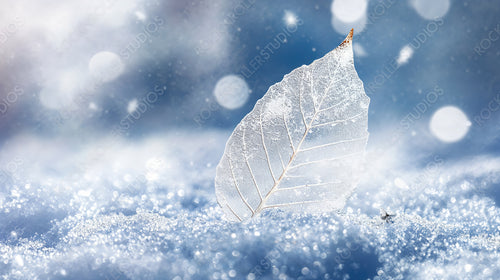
(156, 217)
(302, 145)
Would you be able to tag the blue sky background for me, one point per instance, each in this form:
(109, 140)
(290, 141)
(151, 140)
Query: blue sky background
(93, 186)
(446, 59)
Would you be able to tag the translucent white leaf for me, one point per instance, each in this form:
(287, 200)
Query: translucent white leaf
(302, 145)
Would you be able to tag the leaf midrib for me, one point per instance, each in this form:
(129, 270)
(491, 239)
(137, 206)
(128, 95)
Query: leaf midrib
(297, 150)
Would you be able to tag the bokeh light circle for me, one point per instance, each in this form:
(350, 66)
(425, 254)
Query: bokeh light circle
(349, 11)
(349, 14)
(106, 66)
(449, 124)
(431, 9)
(231, 92)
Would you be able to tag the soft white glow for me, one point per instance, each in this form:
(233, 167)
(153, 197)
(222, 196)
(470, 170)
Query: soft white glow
(290, 19)
(449, 124)
(404, 55)
(359, 50)
(132, 106)
(59, 22)
(19, 260)
(400, 183)
(60, 91)
(349, 11)
(93, 106)
(140, 15)
(231, 92)
(106, 66)
(431, 9)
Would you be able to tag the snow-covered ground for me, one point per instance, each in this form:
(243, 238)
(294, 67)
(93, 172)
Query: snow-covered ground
(147, 210)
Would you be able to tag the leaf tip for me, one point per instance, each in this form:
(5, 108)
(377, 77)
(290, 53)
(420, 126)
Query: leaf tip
(348, 39)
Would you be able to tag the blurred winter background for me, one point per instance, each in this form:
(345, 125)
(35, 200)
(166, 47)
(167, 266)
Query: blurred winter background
(114, 114)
